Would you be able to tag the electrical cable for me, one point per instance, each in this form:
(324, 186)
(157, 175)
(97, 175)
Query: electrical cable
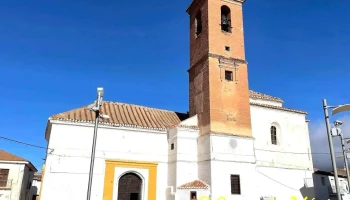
(266, 150)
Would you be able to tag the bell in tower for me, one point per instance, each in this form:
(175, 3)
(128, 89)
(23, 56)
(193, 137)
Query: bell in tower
(225, 19)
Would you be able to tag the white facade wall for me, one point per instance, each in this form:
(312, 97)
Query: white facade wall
(292, 136)
(35, 189)
(186, 150)
(19, 175)
(264, 169)
(70, 159)
(185, 194)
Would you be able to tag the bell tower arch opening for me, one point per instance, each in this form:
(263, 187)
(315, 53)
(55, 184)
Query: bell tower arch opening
(225, 19)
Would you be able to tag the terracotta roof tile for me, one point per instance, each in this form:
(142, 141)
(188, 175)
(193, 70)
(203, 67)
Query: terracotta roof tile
(6, 156)
(37, 176)
(258, 95)
(279, 108)
(196, 184)
(129, 115)
(121, 114)
(341, 172)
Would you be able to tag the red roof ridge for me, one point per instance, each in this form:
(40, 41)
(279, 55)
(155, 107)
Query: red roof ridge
(196, 184)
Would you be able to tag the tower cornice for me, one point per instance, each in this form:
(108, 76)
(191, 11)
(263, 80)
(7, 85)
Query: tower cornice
(235, 1)
(193, 6)
(195, 3)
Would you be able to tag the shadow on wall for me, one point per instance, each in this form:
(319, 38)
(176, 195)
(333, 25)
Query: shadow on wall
(308, 192)
(34, 190)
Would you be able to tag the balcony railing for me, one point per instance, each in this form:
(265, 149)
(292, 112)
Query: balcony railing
(332, 190)
(5, 184)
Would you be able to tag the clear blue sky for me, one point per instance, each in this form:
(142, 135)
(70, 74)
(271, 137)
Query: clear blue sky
(53, 55)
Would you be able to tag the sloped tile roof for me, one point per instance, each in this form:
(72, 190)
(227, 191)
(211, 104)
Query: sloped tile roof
(122, 114)
(135, 116)
(341, 172)
(279, 108)
(258, 95)
(37, 176)
(196, 184)
(6, 156)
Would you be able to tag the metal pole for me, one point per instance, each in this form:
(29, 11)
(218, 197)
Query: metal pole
(345, 158)
(93, 151)
(330, 141)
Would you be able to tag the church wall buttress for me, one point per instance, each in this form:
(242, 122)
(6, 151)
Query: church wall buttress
(199, 95)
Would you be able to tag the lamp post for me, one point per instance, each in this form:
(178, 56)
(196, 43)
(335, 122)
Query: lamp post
(96, 108)
(336, 109)
(337, 131)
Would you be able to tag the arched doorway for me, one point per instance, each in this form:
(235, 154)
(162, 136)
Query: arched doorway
(129, 187)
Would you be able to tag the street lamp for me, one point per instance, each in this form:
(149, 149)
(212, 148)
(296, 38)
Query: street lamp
(96, 107)
(336, 109)
(337, 131)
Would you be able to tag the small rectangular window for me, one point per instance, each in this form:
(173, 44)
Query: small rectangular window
(29, 185)
(4, 173)
(273, 131)
(172, 146)
(227, 48)
(198, 23)
(193, 195)
(235, 184)
(228, 76)
(323, 181)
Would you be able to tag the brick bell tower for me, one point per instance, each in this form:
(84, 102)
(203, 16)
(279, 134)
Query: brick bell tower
(218, 75)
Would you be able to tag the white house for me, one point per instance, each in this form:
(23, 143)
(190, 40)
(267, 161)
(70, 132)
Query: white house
(324, 184)
(35, 189)
(16, 176)
(233, 144)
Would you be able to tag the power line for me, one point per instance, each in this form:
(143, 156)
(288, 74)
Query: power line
(16, 141)
(292, 152)
(266, 150)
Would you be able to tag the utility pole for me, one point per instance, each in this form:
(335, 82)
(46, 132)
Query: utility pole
(330, 141)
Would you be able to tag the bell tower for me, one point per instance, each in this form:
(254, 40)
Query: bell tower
(218, 75)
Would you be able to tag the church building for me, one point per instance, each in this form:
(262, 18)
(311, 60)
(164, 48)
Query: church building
(234, 143)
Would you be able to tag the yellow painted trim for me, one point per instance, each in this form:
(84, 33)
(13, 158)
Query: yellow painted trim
(110, 171)
(133, 163)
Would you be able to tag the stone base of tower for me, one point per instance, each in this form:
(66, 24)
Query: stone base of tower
(228, 148)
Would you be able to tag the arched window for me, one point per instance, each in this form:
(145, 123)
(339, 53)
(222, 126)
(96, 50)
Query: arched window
(130, 187)
(225, 19)
(273, 131)
(198, 23)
